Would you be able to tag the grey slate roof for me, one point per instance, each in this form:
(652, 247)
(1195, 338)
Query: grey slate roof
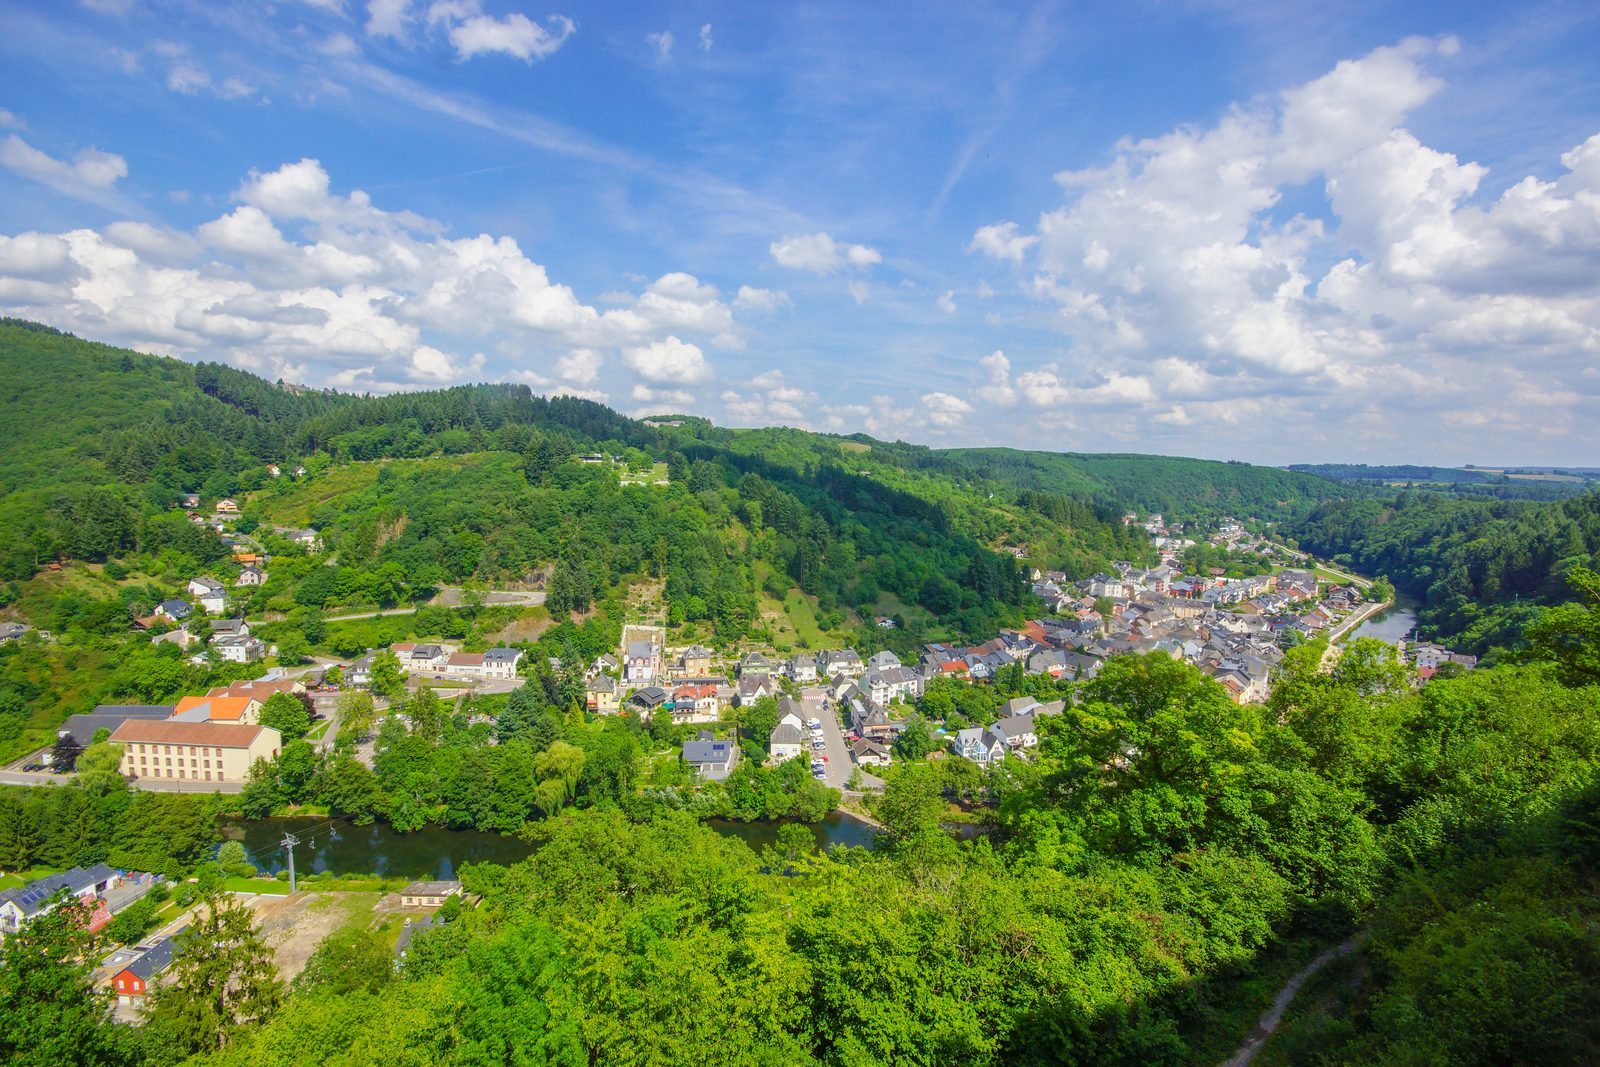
(31, 898)
(785, 734)
(712, 753)
(109, 717)
(156, 958)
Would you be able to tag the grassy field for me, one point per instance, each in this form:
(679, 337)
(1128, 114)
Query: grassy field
(294, 506)
(802, 615)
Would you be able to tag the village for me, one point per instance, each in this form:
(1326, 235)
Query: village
(839, 709)
(842, 711)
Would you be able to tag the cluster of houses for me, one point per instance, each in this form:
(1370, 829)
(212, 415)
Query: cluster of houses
(1428, 657)
(1013, 732)
(441, 660)
(127, 973)
(1233, 629)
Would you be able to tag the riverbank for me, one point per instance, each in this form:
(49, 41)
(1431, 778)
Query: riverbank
(337, 849)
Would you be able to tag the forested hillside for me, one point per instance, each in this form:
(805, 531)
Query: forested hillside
(1502, 485)
(1179, 489)
(1481, 568)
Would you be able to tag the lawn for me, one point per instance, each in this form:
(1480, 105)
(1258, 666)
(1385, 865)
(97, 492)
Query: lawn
(20, 878)
(256, 885)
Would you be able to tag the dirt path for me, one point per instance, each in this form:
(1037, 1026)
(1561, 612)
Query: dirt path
(1268, 1023)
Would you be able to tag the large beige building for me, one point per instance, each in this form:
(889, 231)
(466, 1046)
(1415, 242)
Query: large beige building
(193, 751)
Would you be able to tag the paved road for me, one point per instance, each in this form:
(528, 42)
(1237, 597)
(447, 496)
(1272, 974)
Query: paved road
(839, 763)
(451, 597)
(151, 785)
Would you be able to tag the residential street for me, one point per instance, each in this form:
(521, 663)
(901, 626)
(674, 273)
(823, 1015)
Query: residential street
(838, 753)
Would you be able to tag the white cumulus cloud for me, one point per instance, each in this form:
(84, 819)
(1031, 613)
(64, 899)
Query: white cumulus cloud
(668, 360)
(821, 254)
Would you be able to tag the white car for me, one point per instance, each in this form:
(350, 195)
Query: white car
(815, 724)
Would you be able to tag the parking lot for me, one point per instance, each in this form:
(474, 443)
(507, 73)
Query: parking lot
(838, 762)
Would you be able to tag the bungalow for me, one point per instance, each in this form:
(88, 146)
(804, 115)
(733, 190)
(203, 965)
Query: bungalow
(132, 984)
(21, 905)
(10, 631)
(229, 628)
(868, 753)
(710, 759)
(785, 743)
(501, 662)
(600, 695)
(251, 575)
(428, 894)
(306, 539)
(645, 701)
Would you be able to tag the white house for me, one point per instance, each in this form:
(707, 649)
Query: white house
(980, 745)
(501, 662)
(211, 594)
(239, 648)
(786, 742)
(252, 575)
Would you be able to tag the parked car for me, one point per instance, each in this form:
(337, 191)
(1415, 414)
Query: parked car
(34, 767)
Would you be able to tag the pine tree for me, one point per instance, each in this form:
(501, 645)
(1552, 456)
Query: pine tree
(222, 980)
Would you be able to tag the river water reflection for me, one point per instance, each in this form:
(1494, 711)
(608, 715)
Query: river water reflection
(1392, 623)
(434, 852)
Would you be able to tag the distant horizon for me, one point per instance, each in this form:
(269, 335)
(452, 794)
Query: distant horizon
(1260, 233)
(945, 446)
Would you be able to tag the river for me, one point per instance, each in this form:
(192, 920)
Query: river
(1392, 623)
(434, 852)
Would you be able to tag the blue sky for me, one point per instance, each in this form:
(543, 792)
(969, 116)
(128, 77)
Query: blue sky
(1270, 232)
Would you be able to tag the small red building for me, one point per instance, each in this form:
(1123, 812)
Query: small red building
(132, 983)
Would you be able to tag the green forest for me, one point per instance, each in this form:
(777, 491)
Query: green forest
(1483, 570)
